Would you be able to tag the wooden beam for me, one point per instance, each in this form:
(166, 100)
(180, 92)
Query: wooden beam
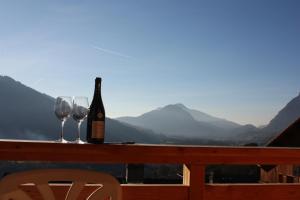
(252, 191)
(120, 153)
(155, 192)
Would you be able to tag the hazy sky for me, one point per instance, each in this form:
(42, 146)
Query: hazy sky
(236, 59)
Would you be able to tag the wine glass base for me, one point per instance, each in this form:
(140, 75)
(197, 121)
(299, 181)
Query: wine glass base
(79, 141)
(61, 140)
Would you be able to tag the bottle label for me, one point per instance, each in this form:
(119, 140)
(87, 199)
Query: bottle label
(100, 115)
(98, 129)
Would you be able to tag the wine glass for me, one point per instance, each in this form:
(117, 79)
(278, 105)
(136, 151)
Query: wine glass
(62, 110)
(80, 111)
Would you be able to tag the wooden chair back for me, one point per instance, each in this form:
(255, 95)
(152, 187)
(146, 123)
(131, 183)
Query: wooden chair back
(108, 187)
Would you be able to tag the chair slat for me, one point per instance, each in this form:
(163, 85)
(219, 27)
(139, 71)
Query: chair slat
(75, 190)
(46, 191)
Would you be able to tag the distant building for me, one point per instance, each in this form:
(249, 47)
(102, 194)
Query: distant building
(290, 137)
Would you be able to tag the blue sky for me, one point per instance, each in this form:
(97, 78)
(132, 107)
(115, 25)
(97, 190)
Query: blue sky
(235, 59)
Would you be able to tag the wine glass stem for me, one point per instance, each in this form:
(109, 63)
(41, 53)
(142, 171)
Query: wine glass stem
(78, 130)
(62, 130)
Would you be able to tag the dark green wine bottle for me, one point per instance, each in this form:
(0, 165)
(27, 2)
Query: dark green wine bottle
(96, 118)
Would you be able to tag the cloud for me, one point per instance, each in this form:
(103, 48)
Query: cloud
(111, 52)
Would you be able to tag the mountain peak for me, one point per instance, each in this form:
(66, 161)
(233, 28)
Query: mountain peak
(181, 105)
(177, 120)
(7, 78)
(174, 107)
(200, 116)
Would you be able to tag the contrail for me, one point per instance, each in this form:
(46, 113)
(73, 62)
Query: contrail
(111, 52)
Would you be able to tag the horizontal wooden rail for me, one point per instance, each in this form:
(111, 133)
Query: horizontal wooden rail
(137, 153)
(155, 192)
(181, 192)
(252, 191)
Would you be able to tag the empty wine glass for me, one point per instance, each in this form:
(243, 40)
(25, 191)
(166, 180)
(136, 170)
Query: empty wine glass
(62, 110)
(80, 111)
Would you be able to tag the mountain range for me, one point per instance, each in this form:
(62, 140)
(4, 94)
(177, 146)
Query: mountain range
(28, 114)
(179, 121)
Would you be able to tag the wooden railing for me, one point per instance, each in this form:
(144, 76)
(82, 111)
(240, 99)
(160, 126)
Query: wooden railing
(194, 159)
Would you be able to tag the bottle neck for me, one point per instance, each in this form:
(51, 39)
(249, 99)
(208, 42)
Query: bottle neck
(97, 92)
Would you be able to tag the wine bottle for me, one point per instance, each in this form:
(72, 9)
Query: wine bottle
(96, 117)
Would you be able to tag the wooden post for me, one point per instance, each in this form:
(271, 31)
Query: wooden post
(194, 176)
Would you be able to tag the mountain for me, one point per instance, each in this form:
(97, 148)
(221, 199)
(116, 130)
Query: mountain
(215, 121)
(29, 114)
(26, 113)
(286, 116)
(179, 121)
(120, 132)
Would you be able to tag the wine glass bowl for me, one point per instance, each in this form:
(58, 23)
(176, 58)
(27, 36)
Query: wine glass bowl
(63, 113)
(80, 112)
(62, 110)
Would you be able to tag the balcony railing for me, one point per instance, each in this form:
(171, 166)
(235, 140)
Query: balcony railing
(194, 159)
